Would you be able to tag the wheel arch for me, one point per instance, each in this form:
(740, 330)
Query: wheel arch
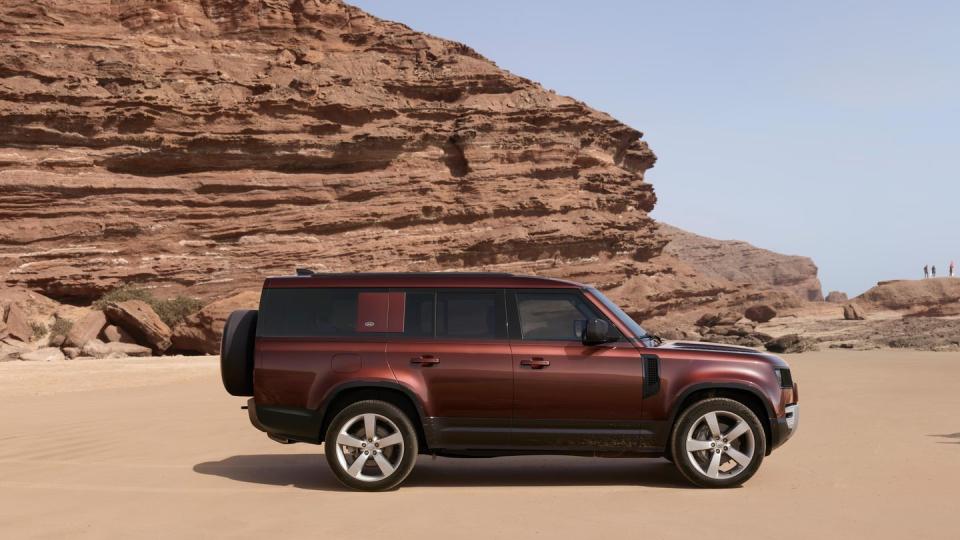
(393, 393)
(745, 393)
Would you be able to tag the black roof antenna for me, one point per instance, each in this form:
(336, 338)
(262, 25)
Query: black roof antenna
(305, 272)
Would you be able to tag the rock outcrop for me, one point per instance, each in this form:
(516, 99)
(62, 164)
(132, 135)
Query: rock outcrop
(207, 144)
(740, 262)
(914, 296)
(836, 297)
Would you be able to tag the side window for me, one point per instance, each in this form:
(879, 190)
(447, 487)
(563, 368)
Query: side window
(553, 317)
(308, 312)
(418, 318)
(470, 315)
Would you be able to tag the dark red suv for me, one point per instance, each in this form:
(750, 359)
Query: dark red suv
(383, 367)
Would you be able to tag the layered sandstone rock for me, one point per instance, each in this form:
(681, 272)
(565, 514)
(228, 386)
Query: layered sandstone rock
(207, 144)
(740, 262)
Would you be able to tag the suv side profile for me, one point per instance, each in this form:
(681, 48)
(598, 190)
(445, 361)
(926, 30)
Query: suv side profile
(383, 367)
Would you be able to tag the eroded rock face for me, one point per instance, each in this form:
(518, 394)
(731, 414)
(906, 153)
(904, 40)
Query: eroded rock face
(740, 262)
(207, 144)
(836, 297)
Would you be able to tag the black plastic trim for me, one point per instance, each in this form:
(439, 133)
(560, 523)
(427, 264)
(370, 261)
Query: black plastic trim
(651, 375)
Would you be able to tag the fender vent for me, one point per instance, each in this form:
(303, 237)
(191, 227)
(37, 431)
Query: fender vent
(651, 375)
(786, 379)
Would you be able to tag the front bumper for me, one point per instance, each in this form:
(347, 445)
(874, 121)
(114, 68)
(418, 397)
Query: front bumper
(786, 426)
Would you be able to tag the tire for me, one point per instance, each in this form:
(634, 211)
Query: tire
(347, 442)
(714, 459)
(236, 352)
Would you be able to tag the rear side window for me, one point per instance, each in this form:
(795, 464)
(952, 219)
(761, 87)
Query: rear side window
(329, 312)
(471, 315)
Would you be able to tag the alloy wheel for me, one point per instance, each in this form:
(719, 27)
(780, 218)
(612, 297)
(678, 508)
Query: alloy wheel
(720, 445)
(369, 447)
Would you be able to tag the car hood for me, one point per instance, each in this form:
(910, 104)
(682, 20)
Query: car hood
(733, 350)
(707, 346)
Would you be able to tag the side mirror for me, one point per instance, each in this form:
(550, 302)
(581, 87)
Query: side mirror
(597, 332)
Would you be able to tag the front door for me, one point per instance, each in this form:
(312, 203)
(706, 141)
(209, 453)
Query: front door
(568, 395)
(456, 353)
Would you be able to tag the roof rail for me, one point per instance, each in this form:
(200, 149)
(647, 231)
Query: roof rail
(305, 272)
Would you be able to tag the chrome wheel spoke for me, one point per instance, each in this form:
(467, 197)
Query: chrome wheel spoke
(711, 419)
(385, 467)
(714, 470)
(370, 426)
(348, 440)
(694, 445)
(390, 440)
(737, 431)
(358, 464)
(738, 456)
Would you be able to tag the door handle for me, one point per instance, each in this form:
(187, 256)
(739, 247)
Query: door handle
(425, 360)
(535, 363)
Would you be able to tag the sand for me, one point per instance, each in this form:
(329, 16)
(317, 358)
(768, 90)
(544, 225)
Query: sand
(156, 448)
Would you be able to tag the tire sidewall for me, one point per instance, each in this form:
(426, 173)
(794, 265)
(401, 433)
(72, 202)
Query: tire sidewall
(678, 441)
(398, 417)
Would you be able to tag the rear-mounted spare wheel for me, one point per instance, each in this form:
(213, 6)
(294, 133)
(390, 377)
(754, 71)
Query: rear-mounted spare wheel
(236, 352)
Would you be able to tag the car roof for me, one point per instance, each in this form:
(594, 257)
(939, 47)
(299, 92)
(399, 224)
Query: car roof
(478, 280)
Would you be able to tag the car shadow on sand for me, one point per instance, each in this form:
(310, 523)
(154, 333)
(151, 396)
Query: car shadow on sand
(955, 436)
(310, 471)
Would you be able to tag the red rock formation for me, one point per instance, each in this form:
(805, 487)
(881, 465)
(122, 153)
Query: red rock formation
(740, 262)
(209, 144)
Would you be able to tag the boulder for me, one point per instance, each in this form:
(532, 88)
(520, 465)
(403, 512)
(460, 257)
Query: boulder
(201, 331)
(761, 313)
(86, 328)
(11, 349)
(139, 319)
(727, 318)
(46, 354)
(17, 324)
(115, 334)
(71, 352)
(790, 343)
(56, 341)
(837, 297)
(852, 313)
(99, 349)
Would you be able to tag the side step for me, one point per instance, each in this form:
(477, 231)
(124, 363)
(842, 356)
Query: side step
(279, 439)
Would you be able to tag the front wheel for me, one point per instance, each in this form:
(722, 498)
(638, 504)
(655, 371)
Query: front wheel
(371, 446)
(718, 443)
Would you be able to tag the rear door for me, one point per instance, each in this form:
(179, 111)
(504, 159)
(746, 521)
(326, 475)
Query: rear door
(454, 351)
(569, 395)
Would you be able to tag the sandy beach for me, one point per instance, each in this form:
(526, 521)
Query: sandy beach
(156, 448)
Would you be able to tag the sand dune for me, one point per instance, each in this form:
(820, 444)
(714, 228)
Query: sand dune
(155, 448)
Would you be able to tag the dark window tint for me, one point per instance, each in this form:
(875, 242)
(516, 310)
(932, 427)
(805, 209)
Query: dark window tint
(418, 318)
(552, 316)
(470, 315)
(307, 312)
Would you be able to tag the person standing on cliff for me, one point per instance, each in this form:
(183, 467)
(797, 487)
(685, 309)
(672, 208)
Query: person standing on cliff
(951, 268)
(926, 271)
(933, 271)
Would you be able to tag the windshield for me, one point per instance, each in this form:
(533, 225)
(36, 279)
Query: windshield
(635, 328)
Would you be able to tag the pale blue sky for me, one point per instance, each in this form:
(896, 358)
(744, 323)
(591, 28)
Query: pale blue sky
(827, 129)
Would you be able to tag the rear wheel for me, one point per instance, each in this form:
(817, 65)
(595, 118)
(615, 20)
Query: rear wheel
(718, 443)
(371, 446)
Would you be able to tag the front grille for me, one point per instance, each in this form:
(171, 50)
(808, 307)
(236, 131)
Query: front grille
(786, 380)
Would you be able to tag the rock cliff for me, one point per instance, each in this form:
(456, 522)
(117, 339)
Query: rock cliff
(198, 146)
(207, 144)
